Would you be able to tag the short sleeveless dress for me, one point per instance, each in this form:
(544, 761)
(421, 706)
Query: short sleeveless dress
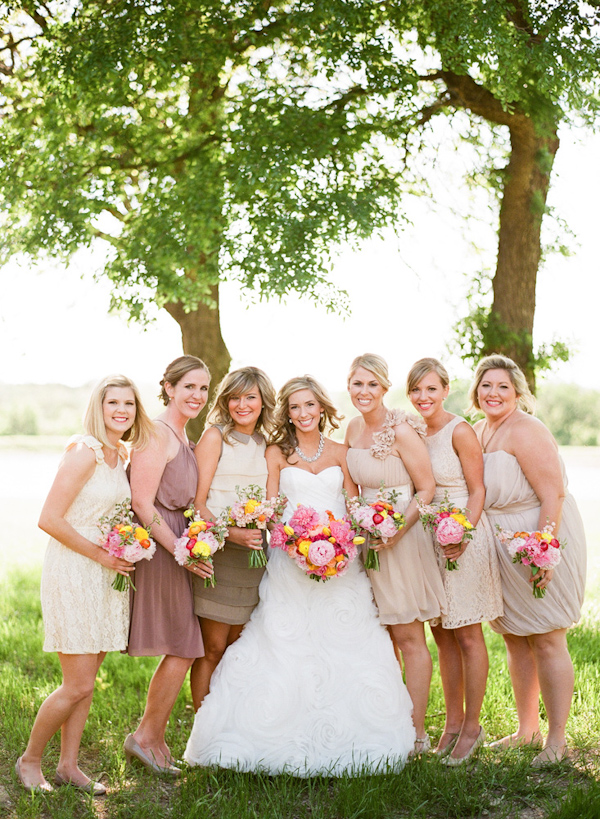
(512, 504)
(312, 687)
(82, 613)
(474, 590)
(408, 586)
(162, 606)
(235, 594)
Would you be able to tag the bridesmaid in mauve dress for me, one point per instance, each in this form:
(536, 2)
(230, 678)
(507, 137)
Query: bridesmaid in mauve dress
(164, 477)
(387, 446)
(526, 490)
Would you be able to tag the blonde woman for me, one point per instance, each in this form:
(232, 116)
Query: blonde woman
(526, 489)
(84, 617)
(312, 687)
(230, 454)
(473, 592)
(386, 446)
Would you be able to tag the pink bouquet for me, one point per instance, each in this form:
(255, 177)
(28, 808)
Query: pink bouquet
(448, 523)
(122, 538)
(200, 541)
(321, 545)
(376, 518)
(539, 550)
(252, 511)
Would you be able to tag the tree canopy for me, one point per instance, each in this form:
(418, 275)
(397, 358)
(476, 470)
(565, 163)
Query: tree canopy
(210, 140)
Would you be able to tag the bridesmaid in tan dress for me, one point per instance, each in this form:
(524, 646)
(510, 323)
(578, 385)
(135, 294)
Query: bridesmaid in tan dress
(387, 445)
(473, 592)
(525, 490)
(230, 453)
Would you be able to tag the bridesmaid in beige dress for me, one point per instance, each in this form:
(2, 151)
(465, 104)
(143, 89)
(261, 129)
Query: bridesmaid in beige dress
(387, 445)
(473, 592)
(525, 490)
(230, 454)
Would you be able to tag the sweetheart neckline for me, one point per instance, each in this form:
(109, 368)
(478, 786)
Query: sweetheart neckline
(314, 474)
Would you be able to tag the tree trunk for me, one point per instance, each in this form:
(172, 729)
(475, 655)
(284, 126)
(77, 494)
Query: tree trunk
(519, 248)
(201, 336)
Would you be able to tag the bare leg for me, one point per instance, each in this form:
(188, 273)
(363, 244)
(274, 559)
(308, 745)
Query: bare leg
(73, 696)
(410, 638)
(526, 688)
(451, 671)
(475, 666)
(164, 687)
(555, 673)
(217, 638)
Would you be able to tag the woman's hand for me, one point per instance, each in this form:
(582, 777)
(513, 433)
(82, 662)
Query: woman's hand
(201, 569)
(454, 550)
(250, 538)
(542, 578)
(117, 564)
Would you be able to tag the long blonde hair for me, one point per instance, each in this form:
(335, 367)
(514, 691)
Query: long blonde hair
(284, 434)
(525, 399)
(239, 382)
(93, 422)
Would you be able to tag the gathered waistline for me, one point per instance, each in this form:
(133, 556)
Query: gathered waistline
(403, 492)
(514, 508)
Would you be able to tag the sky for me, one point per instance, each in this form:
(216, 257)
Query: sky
(406, 292)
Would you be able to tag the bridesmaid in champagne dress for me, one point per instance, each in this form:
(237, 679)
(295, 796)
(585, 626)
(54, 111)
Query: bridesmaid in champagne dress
(84, 616)
(473, 591)
(387, 446)
(526, 489)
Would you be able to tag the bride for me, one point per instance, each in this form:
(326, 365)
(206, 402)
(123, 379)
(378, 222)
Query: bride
(312, 686)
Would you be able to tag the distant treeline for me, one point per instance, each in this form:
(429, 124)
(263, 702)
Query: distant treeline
(571, 412)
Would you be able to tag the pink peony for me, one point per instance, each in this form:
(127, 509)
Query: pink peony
(278, 539)
(321, 552)
(304, 518)
(387, 528)
(449, 531)
(364, 517)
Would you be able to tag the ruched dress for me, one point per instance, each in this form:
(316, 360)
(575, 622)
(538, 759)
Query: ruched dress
(82, 613)
(162, 606)
(512, 504)
(473, 591)
(235, 594)
(312, 686)
(408, 585)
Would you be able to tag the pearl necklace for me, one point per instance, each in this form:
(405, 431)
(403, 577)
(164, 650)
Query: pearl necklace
(317, 454)
(485, 446)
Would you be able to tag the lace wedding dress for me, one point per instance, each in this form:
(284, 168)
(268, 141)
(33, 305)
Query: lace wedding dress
(312, 686)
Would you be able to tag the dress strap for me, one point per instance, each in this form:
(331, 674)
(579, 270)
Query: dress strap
(89, 441)
(384, 439)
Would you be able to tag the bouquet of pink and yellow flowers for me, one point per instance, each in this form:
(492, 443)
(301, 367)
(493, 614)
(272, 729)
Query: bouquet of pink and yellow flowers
(376, 518)
(122, 538)
(322, 545)
(448, 523)
(200, 541)
(252, 511)
(539, 550)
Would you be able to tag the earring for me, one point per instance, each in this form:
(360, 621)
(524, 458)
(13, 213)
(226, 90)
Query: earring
(290, 421)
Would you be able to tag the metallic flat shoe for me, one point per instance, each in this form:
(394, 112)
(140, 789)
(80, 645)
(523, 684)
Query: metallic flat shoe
(95, 788)
(133, 750)
(454, 762)
(44, 787)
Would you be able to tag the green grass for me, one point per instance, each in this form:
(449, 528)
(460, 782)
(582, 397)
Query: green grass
(496, 785)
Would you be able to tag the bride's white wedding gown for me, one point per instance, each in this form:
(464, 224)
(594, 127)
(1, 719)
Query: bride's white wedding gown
(312, 686)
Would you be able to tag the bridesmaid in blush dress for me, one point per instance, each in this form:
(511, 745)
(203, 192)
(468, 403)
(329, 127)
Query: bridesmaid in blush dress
(526, 489)
(84, 617)
(164, 477)
(387, 446)
(473, 592)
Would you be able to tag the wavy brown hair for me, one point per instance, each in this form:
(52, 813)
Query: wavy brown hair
(177, 369)
(239, 382)
(284, 434)
(525, 399)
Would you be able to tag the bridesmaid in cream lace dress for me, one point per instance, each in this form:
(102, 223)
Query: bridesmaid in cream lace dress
(526, 489)
(473, 591)
(84, 617)
(387, 445)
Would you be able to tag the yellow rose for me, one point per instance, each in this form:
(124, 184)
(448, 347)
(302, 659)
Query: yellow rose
(141, 534)
(358, 541)
(250, 506)
(303, 547)
(460, 518)
(546, 536)
(125, 528)
(197, 526)
(201, 549)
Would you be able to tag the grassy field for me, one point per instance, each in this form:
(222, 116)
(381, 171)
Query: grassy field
(495, 785)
